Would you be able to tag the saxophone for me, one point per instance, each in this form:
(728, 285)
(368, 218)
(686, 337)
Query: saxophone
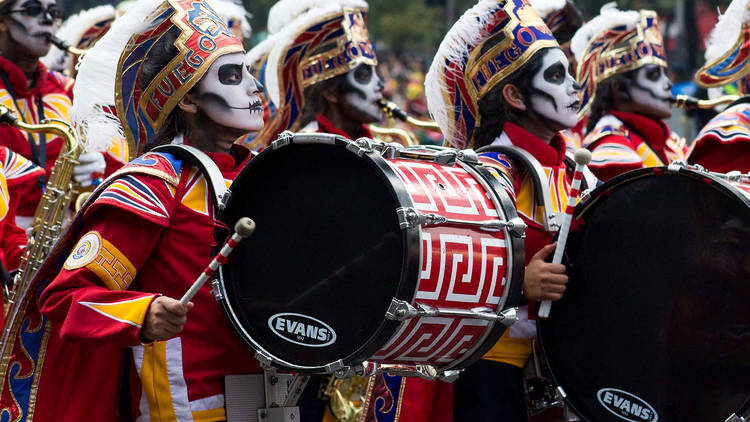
(404, 137)
(345, 396)
(47, 225)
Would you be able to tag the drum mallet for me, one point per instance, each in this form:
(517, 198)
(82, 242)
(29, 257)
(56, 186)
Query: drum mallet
(582, 157)
(244, 228)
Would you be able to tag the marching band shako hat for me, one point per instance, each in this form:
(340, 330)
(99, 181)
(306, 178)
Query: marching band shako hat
(615, 42)
(327, 39)
(81, 31)
(728, 50)
(111, 72)
(460, 75)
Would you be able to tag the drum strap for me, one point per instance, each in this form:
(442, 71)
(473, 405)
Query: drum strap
(205, 164)
(526, 161)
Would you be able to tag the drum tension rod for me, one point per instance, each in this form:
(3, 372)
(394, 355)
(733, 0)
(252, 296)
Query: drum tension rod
(409, 217)
(400, 310)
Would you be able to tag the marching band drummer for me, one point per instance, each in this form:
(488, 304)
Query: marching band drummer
(35, 93)
(622, 69)
(723, 145)
(146, 234)
(500, 78)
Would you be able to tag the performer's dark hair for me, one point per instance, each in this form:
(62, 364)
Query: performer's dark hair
(5, 7)
(604, 100)
(157, 59)
(493, 110)
(315, 103)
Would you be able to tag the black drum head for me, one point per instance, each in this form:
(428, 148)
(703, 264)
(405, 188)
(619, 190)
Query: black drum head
(313, 283)
(655, 324)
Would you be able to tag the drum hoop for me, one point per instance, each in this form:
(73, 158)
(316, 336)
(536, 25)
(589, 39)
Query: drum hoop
(593, 198)
(515, 270)
(410, 264)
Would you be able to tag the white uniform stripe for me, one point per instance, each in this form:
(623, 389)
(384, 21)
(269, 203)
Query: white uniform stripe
(177, 384)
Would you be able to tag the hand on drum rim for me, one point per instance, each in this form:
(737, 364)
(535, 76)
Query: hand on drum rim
(543, 280)
(165, 318)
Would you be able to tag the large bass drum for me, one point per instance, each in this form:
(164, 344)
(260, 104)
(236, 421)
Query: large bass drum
(655, 323)
(365, 251)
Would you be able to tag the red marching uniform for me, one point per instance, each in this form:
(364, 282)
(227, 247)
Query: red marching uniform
(623, 141)
(723, 145)
(50, 97)
(146, 236)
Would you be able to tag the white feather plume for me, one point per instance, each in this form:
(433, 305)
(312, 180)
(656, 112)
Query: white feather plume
(285, 11)
(95, 83)
(71, 32)
(546, 7)
(288, 33)
(467, 32)
(609, 17)
(727, 29)
(228, 9)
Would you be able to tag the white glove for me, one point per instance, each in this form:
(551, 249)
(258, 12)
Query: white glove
(89, 165)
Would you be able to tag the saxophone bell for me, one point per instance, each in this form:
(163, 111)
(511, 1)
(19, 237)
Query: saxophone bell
(692, 103)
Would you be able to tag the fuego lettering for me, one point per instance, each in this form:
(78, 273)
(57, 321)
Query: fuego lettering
(351, 52)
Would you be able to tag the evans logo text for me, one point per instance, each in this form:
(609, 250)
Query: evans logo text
(302, 329)
(626, 406)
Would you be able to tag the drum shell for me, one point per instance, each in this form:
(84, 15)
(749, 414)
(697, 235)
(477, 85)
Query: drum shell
(376, 347)
(649, 305)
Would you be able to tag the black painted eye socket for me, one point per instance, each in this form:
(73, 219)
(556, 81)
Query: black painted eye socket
(230, 74)
(555, 74)
(34, 8)
(653, 73)
(363, 73)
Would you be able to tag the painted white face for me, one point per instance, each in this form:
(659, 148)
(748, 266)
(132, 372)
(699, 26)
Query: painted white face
(651, 91)
(32, 22)
(365, 90)
(555, 91)
(228, 94)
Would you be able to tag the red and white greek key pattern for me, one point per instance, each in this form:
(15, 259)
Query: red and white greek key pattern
(432, 340)
(462, 267)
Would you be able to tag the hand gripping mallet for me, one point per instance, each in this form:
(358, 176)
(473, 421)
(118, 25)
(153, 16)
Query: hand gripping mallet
(242, 229)
(582, 157)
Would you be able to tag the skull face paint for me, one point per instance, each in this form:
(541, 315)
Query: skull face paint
(364, 90)
(228, 94)
(650, 92)
(33, 32)
(555, 94)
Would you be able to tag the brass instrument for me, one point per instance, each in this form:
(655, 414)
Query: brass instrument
(64, 46)
(346, 396)
(691, 103)
(47, 225)
(404, 137)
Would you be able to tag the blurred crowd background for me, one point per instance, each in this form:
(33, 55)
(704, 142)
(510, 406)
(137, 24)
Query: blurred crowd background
(406, 34)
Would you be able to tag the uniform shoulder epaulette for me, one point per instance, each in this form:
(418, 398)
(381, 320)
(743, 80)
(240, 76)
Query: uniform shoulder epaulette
(158, 164)
(64, 82)
(602, 132)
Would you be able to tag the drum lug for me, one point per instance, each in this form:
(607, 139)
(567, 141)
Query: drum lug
(560, 394)
(735, 418)
(216, 290)
(468, 156)
(400, 310)
(676, 166)
(225, 199)
(410, 218)
(361, 146)
(339, 370)
(264, 360)
(284, 139)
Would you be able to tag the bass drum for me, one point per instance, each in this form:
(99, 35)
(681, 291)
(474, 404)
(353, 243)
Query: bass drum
(655, 324)
(367, 251)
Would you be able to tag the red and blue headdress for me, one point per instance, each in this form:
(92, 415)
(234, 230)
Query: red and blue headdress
(110, 75)
(329, 38)
(615, 42)
(461, 74)
(728, 50)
